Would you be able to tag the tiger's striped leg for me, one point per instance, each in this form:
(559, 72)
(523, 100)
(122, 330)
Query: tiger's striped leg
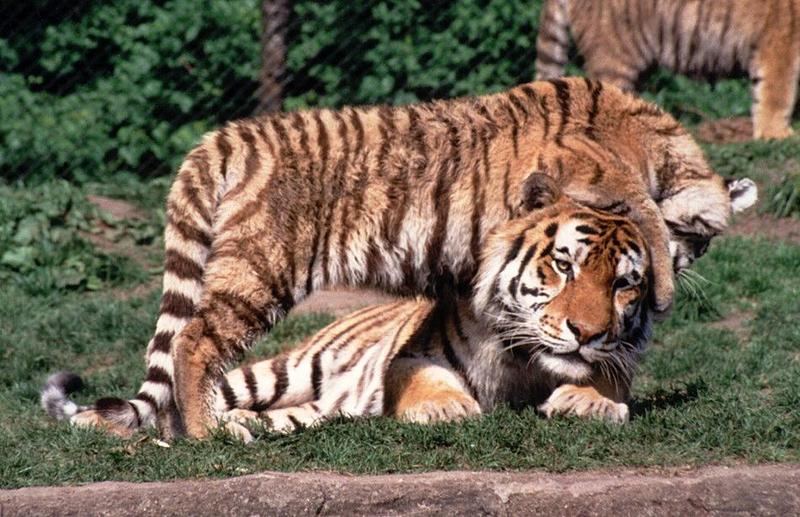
(240, 304)
(645, 212)
(422, 391)
(774, 75)
(604, 65)
(284, 420)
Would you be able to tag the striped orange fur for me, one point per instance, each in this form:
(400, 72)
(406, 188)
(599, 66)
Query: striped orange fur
(621, 40)
(558, 309)
(264, 211)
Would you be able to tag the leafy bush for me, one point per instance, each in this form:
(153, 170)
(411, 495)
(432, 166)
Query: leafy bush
(125, 85)
(131, 85)
(44, 246)
(399, 52)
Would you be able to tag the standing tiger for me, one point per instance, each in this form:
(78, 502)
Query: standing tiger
(558, 319)
(620, 40)
(264, 211)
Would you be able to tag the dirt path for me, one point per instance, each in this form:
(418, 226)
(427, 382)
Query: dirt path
(761, 225)
(745, 490)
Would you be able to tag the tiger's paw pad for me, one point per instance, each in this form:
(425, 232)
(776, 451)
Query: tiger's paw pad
(585, 403)
(444, 408)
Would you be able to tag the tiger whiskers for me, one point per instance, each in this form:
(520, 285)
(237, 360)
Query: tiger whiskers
(692, 283)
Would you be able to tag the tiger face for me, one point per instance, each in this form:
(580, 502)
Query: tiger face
(569, 286)
(697, 214)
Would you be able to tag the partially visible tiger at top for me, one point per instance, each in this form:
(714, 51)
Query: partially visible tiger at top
(558, 319)
(264, 211)
(621, 40)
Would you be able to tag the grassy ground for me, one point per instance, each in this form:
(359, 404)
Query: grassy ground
(721, 382)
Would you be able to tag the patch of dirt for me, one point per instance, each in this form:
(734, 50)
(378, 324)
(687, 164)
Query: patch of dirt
(767, 226)
(101, 363)
(341, 301)
(714, 490)
(121, 210)
(725, 130)
(116, 207)
(735, 322)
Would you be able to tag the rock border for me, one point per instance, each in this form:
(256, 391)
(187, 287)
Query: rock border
(716, 490)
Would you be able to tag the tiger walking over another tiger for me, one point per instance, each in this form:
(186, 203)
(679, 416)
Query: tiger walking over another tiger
(265, 211)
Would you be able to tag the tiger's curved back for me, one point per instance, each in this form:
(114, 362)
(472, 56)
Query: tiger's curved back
(620, 40)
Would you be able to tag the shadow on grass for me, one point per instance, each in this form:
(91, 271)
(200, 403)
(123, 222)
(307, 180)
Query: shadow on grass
(668, 398)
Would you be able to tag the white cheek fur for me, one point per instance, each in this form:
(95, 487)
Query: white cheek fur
(569, 369)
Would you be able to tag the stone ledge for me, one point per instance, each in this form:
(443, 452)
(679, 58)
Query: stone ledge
(746, 490)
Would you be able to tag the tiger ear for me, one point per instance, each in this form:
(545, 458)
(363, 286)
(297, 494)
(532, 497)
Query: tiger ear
(538, 191)
(743, 193)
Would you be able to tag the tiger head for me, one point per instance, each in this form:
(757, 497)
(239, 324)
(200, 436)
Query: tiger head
(695, 202)
(568, 285)
(698, 213)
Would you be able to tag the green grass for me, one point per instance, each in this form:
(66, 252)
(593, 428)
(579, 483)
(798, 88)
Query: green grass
(709, 390)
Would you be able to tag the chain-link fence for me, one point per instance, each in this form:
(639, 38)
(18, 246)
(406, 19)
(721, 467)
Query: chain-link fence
(90, 89)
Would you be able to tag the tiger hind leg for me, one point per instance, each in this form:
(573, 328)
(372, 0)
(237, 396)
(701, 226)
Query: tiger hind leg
(422, 391)
(239, 305)
(774, 75)
(615, 67)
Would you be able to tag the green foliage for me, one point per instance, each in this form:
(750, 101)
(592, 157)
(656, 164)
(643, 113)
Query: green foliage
(129, 86)
(104, 88)
(694, 101)
(400, 52)
(783, 199)
(121, 86)
(43, 238)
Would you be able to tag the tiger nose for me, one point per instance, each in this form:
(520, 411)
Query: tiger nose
(585, 336)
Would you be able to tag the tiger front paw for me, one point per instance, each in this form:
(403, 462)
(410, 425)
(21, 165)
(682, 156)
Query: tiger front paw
(585, 402)
(444, 407)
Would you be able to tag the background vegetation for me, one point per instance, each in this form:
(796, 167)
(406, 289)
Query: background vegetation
(103, 98)
(91, 89)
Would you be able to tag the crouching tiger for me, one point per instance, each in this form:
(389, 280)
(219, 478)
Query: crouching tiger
(265, 211)
(558, 318)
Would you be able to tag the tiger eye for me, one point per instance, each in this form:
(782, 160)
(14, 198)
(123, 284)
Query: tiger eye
(563, 266)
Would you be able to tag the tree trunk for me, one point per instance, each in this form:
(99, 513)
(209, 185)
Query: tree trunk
(274, 15)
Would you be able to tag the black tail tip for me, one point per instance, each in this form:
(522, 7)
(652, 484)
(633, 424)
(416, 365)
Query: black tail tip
(112, 404)
(67, 381)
